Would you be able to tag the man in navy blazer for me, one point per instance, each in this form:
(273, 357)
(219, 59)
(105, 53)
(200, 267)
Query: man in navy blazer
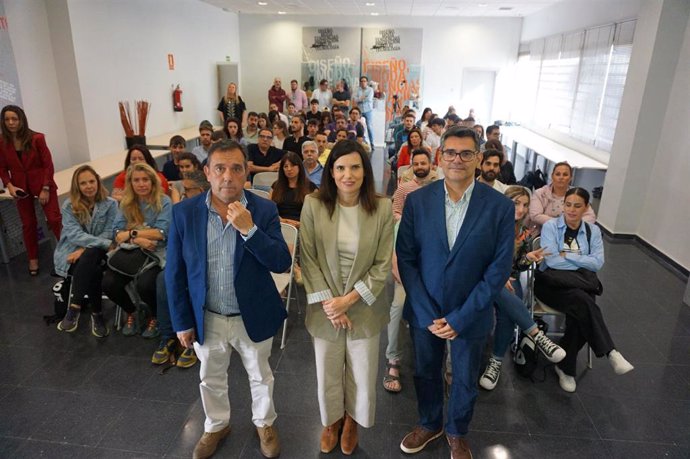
(222, 247)
(454, 248)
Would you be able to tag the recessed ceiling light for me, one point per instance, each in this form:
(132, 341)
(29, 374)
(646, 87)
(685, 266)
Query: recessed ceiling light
(374, 14)
(370, 4)
(282, 12)
(262, 3)
(483, 5)
(505, 8)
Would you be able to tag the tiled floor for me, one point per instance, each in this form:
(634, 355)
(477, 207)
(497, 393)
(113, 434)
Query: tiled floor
(69, 395)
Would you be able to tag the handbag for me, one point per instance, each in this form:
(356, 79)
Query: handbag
(582, 278)
(131, 260)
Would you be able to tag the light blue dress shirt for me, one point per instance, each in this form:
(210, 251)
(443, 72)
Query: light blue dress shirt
(455, 213)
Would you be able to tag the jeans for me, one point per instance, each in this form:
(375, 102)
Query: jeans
(393, 351)
(510, 310)
(164, 322)
(369, 116)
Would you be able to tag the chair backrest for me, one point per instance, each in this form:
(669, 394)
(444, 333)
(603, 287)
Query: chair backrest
(529, 295)
(402, 169)
(290, 234)
(262, 193)
(264, 179)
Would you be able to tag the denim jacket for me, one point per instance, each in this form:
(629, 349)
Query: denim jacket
(152, 219)
(591, 256)
(97, 233)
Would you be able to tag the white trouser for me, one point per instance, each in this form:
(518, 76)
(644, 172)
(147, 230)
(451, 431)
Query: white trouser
(346, 373)
(222, 335)
(393, 350)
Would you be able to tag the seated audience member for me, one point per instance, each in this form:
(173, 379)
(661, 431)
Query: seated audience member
(493, 132)
(233, 131)
(510, 309)
(414, 141)
(326, 121)
(469, 122)
(547, 201)
(280, 133)
(402, 132)
(195, 183)
(263, 157)
(87, 230)
(297, 137)
(432, 136)
(177, 146)
(490, 168)
(312, 128)
(359, 125)
(216, 137)
(340, 135)
(251, 131)
(274, 116)
(342, 98)
(453, 120)
(421, 170)
(341, 123)
(143, 220)
(322, 95)
(263, 121)
(427, 115)
(231, 105)
(324, 148)
(205, 133)
(313, 113)
(567, 282)
(314, 170)
(451, 111)
(187, 163)
(136, 154)
(282, 116)
(292, 110)
(479, 129)
(507, 175)
(289, 190)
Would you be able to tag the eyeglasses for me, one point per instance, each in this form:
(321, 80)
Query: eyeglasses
(465, 155)
(267, 137)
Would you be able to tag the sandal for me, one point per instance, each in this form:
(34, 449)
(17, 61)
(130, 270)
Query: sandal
(389, 379)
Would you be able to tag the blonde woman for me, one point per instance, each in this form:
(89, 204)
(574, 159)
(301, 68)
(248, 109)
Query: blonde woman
(232, 106)
(143, 220)
(346, 234)
(87, 218)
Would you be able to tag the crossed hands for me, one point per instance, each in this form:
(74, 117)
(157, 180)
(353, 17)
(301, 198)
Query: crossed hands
(442, 329)
(336, 311)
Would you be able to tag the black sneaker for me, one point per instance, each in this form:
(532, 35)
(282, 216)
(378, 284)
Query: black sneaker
(98, 327)
(551, 350)
(71, 320)
(491, 374)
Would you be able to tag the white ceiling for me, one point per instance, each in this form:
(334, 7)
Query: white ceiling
(465, 8)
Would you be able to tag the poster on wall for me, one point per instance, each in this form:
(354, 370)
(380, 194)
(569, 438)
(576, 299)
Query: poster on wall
(392, 58)
(331, 53)
(9, 82)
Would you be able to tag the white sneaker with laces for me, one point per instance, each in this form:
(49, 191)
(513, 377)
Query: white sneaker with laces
(619, 364)
(552, 351)
(490, 377)
(566, 382)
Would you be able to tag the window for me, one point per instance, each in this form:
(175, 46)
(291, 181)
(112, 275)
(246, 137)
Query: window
(578, 82)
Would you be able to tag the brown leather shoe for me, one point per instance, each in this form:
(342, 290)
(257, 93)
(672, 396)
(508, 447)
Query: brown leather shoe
(268, 437)
(417, 440)
(329, 436)
(349, 439)
(208, 443)
(459, 448)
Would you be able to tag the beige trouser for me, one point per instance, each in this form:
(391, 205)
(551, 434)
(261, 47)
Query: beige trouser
(346, 372)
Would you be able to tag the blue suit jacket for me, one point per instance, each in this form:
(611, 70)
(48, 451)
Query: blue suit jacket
(185, 272)
(457, 283)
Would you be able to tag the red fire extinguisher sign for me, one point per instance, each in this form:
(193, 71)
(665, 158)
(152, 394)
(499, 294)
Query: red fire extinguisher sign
(177, 99)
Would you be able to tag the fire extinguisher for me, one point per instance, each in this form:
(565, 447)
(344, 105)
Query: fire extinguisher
(177, 99)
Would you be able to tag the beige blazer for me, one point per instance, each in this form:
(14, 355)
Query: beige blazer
(321, 269)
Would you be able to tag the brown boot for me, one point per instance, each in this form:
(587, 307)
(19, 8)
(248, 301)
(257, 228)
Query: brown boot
(348, 440)
(208, 443)
(268, 437)
(329, 436)
(459, 448)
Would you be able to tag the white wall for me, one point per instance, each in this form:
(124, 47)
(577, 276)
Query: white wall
(571, 15)
(666, 222)
(33, 54)
(121, 51)
(272, 46)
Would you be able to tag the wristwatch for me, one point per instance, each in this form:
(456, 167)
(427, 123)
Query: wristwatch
(46, 188)
(133, 233)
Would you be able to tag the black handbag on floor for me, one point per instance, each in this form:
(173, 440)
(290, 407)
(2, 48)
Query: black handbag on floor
(131, 260)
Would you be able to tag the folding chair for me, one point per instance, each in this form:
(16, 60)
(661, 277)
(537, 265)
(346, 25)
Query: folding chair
(538, 307)
(264, 180)
(285, 280)
(262, 193)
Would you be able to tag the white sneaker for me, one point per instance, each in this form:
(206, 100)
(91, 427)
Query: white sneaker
(566, 382)
(490, 377)
(552, 351)
(619, 364)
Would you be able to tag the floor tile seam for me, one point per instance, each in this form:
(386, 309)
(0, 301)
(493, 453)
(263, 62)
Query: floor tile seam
(112, 422)
(628, 398)
(641, 442)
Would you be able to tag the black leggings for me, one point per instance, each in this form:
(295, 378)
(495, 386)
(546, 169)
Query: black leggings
(114, 286)
(87, 275)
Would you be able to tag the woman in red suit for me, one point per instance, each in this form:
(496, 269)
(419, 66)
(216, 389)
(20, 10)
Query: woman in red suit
(26, 169)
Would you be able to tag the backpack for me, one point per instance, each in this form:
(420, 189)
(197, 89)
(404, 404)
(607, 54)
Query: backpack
(60, 302)
(533, 180)
(526, 356)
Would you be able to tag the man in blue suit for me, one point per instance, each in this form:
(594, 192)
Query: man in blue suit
(454, 248)
(222, 247)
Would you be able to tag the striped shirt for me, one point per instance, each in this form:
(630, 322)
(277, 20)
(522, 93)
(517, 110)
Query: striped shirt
(220, 269)
(455, 213)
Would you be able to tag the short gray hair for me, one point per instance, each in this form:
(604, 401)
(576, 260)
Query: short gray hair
(198, 177)
(309, 143)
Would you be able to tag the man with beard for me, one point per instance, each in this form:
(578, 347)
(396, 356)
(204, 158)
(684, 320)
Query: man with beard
(251, 132)
(298, 97)
(295, 141)
(490, 168)
(277, 95)
(422, 175)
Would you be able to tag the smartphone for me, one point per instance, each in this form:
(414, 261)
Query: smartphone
(21, 193)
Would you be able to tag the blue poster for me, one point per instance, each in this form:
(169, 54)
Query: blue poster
(9, 82)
